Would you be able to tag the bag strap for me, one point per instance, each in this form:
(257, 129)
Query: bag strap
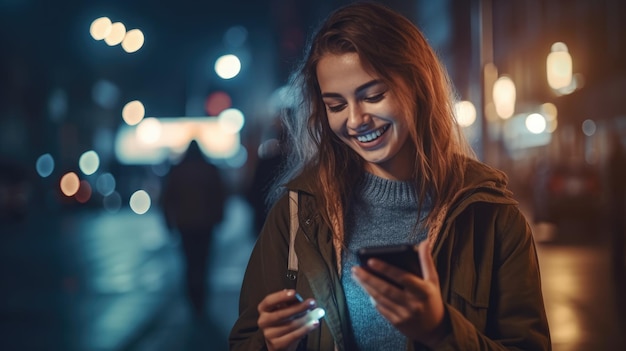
(292, 265)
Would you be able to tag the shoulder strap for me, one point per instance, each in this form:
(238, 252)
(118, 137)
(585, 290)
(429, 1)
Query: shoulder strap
(292, 265)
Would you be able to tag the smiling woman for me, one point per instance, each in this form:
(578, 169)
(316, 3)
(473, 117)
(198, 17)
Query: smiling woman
(376, 158)
(364, 113)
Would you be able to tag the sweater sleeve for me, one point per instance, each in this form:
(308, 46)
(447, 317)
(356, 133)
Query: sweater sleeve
(265, 274)
(516, 318)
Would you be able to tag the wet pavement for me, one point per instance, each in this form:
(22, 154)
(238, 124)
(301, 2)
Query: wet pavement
(90, 280)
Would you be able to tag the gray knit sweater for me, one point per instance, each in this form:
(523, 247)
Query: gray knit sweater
(383, 212)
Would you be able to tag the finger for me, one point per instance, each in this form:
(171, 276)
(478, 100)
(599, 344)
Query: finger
(292, 325)
(368, 280)
(282, 338)
(398, 275)
(427, 262)
(379, 290)
(274, 300)
(285, 314)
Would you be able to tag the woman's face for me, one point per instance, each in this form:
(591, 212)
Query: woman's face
(365, 114)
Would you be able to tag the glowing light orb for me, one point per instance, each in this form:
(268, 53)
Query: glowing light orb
(69, 184)
(89, 162)
(44, 165)
(227, 66)
(133, 112)
(100, 28)
(140, 202)
(133, 41)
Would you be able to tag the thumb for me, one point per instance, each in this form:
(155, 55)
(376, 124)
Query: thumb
(428, 264)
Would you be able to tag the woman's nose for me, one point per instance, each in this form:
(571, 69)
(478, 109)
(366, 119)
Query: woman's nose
(358, 119)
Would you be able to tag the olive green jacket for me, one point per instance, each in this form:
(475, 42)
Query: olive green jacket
(483, 250)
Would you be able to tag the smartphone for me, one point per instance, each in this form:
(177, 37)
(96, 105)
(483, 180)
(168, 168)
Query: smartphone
(313, 315)
(402, 256)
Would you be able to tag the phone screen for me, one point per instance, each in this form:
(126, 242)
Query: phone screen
(402, 256)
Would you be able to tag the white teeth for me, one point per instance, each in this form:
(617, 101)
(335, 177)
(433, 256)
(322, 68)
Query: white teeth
(371, 136)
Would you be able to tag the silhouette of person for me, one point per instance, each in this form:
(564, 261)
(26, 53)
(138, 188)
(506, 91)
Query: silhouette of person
(271, 157)
(193, 203)
(617, 202)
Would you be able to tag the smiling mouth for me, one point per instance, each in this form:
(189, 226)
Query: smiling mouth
(369, 137)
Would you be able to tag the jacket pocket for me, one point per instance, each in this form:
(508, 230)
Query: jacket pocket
(470, 298)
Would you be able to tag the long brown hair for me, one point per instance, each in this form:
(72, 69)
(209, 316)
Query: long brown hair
(391, 47)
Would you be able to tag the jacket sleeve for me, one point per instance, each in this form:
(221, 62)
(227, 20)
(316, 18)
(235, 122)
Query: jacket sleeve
(266, 273)
(515, 315)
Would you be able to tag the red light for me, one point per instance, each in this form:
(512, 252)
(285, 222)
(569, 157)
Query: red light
(84, 192)
(217, 102)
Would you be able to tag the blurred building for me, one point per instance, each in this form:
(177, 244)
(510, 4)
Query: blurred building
(63, 93)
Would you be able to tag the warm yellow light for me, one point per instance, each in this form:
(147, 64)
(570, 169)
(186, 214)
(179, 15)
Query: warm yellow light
(504, 97)
(465, 113)
(118, 31)
(100, 28)
(550, 112)
(133, 41)
(69, 184)
(133, 112)
(559, 66)
(149, 130)
(227, 66)
(536, 123)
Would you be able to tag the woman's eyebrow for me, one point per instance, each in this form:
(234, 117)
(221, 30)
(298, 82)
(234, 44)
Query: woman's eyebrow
(358, 90)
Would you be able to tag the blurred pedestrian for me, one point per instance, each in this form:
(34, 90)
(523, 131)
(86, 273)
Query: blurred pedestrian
(193, 203)
(270, 161)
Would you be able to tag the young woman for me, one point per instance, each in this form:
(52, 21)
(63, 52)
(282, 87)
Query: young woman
(377, 159)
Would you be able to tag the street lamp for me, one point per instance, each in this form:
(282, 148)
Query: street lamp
(465, 113)
(559, 66)
(504, 97)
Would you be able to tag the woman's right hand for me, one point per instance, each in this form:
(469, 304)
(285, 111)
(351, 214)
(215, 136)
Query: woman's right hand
(284, 320)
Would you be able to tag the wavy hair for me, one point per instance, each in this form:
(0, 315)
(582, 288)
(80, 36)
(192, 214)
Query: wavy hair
(392, 48)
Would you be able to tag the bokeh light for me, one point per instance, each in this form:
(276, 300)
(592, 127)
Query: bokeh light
(231, 120)
(84, 192)
(536, 123)
(238, 159)
(227, 66)
(100, 28)
(589, 127)
(89, 162)
(44, 165)
(559, 66)
(118, 31)
(133, 112)
(69, 184)
(217, 102)
(105, 184)
(235, 36)
(550, 112)
(465, 113)
(149, 130)
(504, 95)
(113, 202)
(105, 94)
(133, 41)
(140, 202)
(57, 105)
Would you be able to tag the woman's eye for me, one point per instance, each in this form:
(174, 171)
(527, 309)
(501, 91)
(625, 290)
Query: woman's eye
(336, 108)
(375, 98)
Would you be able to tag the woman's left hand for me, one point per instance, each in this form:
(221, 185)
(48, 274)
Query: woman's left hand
(417, 311)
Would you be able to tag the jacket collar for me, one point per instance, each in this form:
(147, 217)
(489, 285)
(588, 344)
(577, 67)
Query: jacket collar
(477, 177)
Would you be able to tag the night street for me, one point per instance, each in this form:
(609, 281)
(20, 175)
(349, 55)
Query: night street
(89, 280)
